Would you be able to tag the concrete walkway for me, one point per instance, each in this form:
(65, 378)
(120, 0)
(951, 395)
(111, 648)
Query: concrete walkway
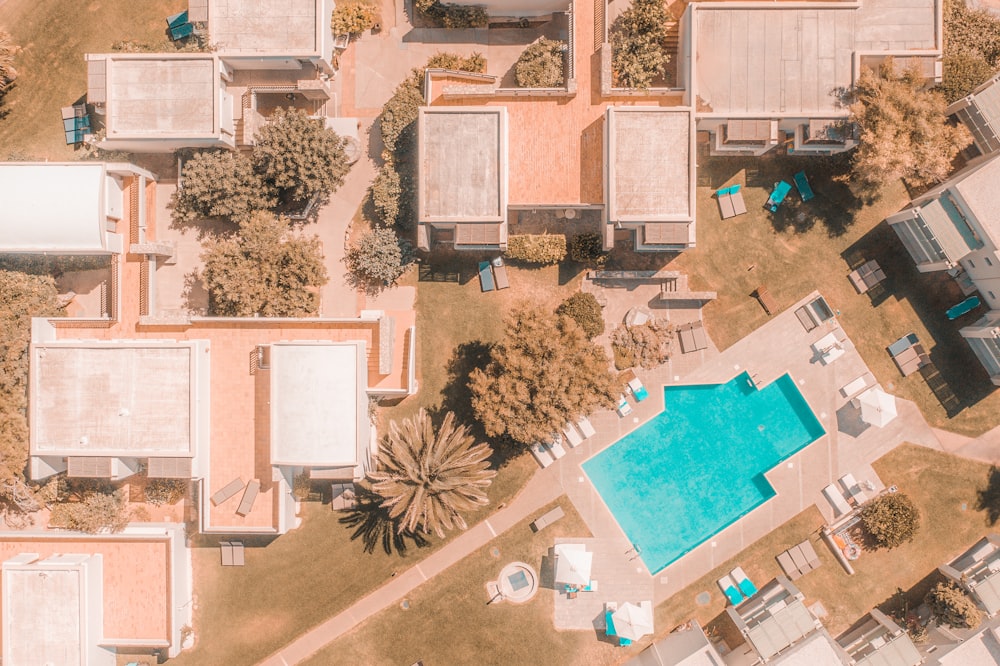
(542, 489)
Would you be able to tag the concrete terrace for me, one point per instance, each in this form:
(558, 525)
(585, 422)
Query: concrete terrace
(250, 26)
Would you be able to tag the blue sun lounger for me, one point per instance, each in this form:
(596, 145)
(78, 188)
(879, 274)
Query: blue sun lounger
(728, 588)
(746, 585)
(971, 303)
(802, 183)
(486, 276)
(778, 194)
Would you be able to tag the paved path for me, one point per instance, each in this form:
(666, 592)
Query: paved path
(542, 489)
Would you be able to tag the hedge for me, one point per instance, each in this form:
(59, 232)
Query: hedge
(537, 248)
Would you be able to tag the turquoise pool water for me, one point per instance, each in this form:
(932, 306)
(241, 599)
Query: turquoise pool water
(699, 465)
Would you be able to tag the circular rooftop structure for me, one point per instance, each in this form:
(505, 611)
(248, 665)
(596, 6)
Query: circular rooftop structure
(518, 582)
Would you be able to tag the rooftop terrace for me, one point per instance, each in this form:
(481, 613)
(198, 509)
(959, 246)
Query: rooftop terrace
(155, 95)
(288, 26)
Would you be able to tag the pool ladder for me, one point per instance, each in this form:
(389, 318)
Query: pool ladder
(755, 380)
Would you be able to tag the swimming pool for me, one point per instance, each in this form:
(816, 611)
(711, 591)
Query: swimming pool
(699, 465)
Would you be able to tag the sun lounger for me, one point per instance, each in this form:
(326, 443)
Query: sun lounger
(728, 588)
(541, 454)
(802, 183)
(556, 447)
(547, 519)
(836, 500)
(693, 337)
(342, 496)
(857, 385)
(638, 390)
(227, 553)
(486, 276)
(852, 489)
(971, 303)
(609, 624)
(788, 566)
(590, 587)
(747, 588)
(726, 208)
(586, 427)
(249, 495)
(778, 194)
(810, 553)
(572, 436)
(238, 557)
(230, 489)
(500, 273)
(799, 558)
(624, 409)
(739, 206)
(766, 300)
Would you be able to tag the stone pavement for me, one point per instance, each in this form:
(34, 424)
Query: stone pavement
(542, 489)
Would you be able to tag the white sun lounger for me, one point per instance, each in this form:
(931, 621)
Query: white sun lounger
(541, 454)
(556, 447)
(852, 488)
(624, 409)
(572, 436)
(836, 500)
(586, 427)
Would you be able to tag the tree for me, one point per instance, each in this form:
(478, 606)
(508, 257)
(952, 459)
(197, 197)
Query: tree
(646, 345)
(376, 260)
(953, 607)
(96, 512)
(221, 184)
(963, 73)
(540, 65)
(637, 37)
(427, 479)
(7, 52)
(264, 270)
(891, 519)
(386, 192)
(352, 17)
(297, 155)
(398, 120)
(543, 373)
(904, 132)
(585, 311)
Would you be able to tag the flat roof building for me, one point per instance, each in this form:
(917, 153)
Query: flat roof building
(98, 408)
(980, 112)
(462, 182)
(650, 176)
(65, 208)
(978, 571)
(687, 646)
(878, 641)
(160, 102)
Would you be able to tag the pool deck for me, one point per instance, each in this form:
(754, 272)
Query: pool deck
(780, 346)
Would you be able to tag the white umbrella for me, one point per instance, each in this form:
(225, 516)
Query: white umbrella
(573, 564)
(877, 407)
(632, 622)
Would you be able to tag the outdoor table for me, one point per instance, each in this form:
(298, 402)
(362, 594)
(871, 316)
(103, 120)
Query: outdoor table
(866, 276)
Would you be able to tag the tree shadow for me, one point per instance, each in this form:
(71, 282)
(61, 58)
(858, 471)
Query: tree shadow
(373, 525)
(456, 397)
(988, 499)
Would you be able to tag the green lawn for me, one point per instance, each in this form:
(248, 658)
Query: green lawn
(55, 35)
(945, 488)
(448, 621)
(808, 246)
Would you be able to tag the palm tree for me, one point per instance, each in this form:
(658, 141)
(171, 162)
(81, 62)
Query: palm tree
(7, 52)
(427, 479)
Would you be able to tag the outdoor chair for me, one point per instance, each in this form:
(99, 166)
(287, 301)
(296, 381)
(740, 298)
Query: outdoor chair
(572, 436)
(788, 566)
(586, 427)
(249, 495)
(778, 194)
(766, 300)
(726, 208)
(178, 26)
(230, 489)
(801, 182)
(500, 273)
(541, 454)
(486, 277)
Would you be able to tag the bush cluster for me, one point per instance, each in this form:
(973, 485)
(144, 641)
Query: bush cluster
(971, 48)
(475, 63)
(448, 15)
(376, 260)
(352, 17)
(537, 248)
(953, 607)
(637, 37)
(588, 249)
(540, 65)
(891, 519)
(585, 311)
(647, 346)
(165, 491)
(95, 512)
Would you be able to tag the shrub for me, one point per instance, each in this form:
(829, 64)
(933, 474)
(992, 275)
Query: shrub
(448, 15)
(386, 192)
(585, 311)
(891, 519)
(264, 270)
(647, 345)
(637, 36)
(588, 249)
(963, 73)
(297, 155)
(953, 607)
(540, 65)
(96, 512)
(398, 119)
(221, 184)
(165, 491)
(352, 17)
(975, 31)
(376, 260)
(537, 248)
(475, 63)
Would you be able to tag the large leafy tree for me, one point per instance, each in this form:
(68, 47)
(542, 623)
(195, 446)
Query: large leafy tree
(544, 372)
(637, 37)
(953, 607)
(221, 184)
(904, 132)
(429, 478)
(264, 270)
(376, 260)
(891, 519)
(299, 156)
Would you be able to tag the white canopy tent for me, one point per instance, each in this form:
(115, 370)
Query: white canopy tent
(877, 407)
(573, 564)
(633, 622)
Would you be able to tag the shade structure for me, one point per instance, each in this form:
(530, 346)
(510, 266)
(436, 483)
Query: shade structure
(573, 563)
(877, 407)
(632, 622)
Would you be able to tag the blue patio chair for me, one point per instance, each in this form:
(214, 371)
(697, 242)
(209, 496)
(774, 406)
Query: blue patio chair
(486, 276)
(179, 26)
(802, 183)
